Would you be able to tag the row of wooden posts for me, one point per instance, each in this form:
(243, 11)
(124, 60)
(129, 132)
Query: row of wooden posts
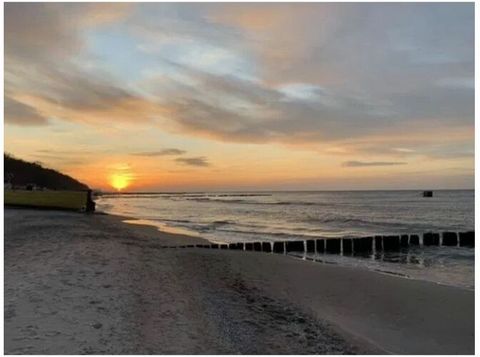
(351, 245)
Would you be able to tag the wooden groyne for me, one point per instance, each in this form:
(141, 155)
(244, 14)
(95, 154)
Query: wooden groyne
(351, 246)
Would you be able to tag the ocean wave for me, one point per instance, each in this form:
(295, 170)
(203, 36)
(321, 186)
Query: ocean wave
(173, 220)
(240, 195)
(272, 235)
(332, 214)
(342, 220)
(381, 226)
(298, 203)
(180, 195)
(222, 222)
(207, 199)
(250, 202)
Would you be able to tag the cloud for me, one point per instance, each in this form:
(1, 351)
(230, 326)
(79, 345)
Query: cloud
(59, 160)
(232, 109)
(402, 142)
(457, 82)
(325, 87)
(48, 68)
(164, 152)
(42, 31)
(371, 163)
(193, 161)
(17, 113)
(38, 31)
(110, 112)
(251, 73)
(403, 150)
(349, 45)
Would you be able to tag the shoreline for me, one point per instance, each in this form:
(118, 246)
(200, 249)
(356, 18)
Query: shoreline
(175, 231)
(388, 273)
(58, 264)
(141, 224)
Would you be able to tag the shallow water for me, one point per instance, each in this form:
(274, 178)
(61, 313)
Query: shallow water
(444, 265)
(271, 216)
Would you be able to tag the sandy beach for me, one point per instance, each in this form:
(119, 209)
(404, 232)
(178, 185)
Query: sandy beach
(88, 283)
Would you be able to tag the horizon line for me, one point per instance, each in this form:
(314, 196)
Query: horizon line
(277, 191)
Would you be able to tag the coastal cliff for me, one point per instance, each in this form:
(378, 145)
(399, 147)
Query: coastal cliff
(20, 173)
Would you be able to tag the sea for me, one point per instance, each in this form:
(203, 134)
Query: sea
(227, 217)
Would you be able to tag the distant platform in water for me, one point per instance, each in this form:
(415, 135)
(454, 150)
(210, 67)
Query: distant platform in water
(427, 193)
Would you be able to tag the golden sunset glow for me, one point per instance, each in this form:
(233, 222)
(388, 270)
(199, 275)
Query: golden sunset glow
(119, 181)
(266, 99)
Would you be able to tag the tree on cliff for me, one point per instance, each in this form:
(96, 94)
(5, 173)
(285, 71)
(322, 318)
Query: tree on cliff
(18, 172)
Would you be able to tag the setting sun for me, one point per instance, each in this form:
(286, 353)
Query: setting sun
(119, 181)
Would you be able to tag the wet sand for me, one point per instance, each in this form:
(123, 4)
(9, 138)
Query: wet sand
(78, 284)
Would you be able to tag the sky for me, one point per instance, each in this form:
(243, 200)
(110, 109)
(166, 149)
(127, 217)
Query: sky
(243, 96)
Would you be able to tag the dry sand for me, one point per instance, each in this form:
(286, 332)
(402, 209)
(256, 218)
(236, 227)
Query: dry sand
(78, 283)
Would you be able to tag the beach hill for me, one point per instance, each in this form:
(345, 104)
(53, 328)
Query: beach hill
(19, 173)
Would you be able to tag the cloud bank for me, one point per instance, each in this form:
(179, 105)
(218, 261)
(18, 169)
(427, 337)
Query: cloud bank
(371, 163)
(163, 152)
(346, 79)
(193, 161)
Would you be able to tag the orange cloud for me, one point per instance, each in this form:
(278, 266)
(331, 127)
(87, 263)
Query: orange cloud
(128, 110)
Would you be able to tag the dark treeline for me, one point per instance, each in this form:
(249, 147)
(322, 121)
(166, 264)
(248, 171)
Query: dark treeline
(20, 173)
